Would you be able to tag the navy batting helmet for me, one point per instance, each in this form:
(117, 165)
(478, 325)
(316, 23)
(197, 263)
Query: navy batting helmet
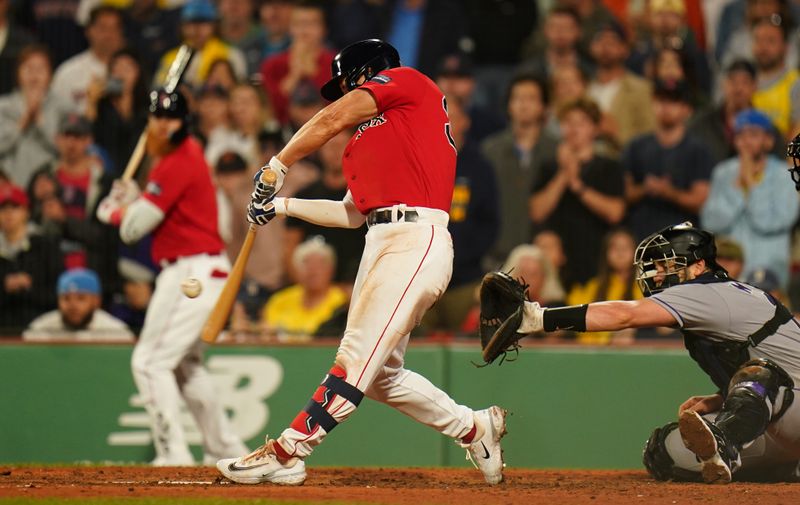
(661, 257)
(171, 105)
(367, 58)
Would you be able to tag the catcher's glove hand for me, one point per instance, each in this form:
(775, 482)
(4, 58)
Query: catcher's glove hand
(502, 301)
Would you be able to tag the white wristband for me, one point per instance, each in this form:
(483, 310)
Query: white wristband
(280, 205)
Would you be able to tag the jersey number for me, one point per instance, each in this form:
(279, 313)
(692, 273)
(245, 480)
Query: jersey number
(447, 127)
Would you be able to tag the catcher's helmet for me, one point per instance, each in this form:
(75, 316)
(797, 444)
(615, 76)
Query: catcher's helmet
(366, 57)
(793, 151)
(171, 105)
(661, 257)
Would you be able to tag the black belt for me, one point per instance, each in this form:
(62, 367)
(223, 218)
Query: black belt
(385, 216)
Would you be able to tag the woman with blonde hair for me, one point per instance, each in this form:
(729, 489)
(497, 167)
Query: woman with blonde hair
(529, 263)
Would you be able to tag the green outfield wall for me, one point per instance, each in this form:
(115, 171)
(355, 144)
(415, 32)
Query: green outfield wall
(570, 407)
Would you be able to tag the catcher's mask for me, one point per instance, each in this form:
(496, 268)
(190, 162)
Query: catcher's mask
(793, 151)
(366, 57)
(662, 258)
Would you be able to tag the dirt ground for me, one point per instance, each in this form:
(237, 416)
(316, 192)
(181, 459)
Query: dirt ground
(400, 486)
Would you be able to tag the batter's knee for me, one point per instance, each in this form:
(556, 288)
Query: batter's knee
(659, 462)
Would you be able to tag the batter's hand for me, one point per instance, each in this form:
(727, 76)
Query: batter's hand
(261, 213)
(124, 192)
(263, 191)
(702, 404)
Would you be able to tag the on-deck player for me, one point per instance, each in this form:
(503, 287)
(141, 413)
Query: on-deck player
(400, 169)
(179, 207)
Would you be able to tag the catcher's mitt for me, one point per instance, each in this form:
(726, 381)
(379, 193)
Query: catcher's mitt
(502, 300)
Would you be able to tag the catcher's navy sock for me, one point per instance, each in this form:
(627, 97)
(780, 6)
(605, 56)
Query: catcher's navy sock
(469, 437)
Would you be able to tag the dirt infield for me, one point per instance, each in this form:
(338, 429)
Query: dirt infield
(399, 486)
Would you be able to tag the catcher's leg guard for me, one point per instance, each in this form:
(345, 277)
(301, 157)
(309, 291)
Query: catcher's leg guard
(665, 457)
(759, 392)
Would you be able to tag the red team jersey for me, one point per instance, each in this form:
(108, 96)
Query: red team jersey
(180, 185)
(405, 154)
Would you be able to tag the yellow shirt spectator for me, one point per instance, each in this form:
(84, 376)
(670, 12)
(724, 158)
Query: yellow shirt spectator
(286, 315)
(775, 101)
(589, 292)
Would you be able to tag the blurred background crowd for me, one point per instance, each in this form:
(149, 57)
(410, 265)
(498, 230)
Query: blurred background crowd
(582, 126)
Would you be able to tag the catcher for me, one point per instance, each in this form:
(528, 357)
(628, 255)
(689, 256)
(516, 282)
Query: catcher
(742, 337)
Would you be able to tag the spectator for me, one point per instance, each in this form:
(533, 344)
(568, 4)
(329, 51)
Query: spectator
(81, 181)
(238, 28)
(560, 47)
(497, 30)
(552, 247)
(79, 316)
(150, 31)
(222, 75)
(730, 256)
(16, 38)
(567, 84)
(274, 16)
(54, 22)
(517, 155)
(474, 223)
(615, 280)
(713, 126)
(31, 115)
(740, 44)
(624, 98)
(198, 31)
(352, 20)
(230, 175)
(73, 77)
(455, 79)
(213, 120)
(579, 195)
(750, 200)
(347, 243)
(312, 307)
(778, 93)
(250, 115)
(117, 107)
(766, 280)
(672, 65)
(130, 304)
(530, 264)
(303, 104)
(667, 28)
(667, 171)
(593, 15)
(307, 58)
(424, 31)
(29, 265)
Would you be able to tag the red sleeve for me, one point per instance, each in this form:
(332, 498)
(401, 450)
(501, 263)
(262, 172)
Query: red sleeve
(165, 185)
(393, 88)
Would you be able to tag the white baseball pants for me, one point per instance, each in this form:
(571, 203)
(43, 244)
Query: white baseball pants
(405, 268)
(167, 363)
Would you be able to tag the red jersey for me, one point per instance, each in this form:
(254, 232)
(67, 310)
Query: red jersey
(275, 69)
(405, 154)
(180, 185)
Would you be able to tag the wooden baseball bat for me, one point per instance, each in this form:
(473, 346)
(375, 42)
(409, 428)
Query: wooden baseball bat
(222, 309)
(174, 75)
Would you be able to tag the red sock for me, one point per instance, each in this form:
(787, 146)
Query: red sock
(283, 456)
(469, 437)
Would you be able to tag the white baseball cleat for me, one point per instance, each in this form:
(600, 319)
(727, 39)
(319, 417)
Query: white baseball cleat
(263, 465)
(485, 451)
(700, 438)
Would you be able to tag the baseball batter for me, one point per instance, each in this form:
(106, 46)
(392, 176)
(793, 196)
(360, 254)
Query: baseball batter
(179, 207)
(400, 168)
(742, 337)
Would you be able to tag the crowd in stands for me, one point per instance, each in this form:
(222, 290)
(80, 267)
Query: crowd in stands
(582, 126)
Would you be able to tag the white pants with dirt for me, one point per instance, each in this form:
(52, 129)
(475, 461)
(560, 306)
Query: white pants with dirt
(405, 268)
(167, 363)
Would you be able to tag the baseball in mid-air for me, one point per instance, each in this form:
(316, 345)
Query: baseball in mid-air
(191, 287)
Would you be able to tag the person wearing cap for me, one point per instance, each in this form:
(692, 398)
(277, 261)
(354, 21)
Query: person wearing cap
(455, 77)
(560, 46)
(104, 32)
(304, 102)
(667, 171)
(750, 200)
(79, 316)
(29, 264)
(237, 27)
(31, 115)
(624, 98)
(178, 208)
(306, 58)
(730, 256)
(713, 125)
(82, 181)
(199, 31)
